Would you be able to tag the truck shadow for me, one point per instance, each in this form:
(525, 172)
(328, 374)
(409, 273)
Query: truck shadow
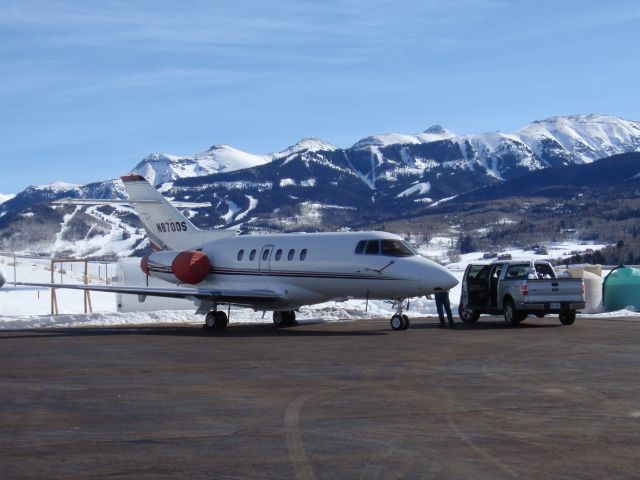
(490, 324)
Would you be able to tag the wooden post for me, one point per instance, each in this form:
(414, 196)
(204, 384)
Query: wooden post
(54, 297)
(88, 308)
(87, 297)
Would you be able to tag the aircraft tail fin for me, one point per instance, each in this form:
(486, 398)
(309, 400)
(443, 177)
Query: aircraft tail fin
(166, 227)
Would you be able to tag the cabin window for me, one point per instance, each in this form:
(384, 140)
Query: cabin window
(240, 255)
(395, 248)
(292, 252)
(265, 255)
(303, 254)
(373, 247)
(279, 254)
(252, 255)
(360, 247)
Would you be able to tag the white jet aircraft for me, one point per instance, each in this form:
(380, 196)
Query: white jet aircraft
(279, 272)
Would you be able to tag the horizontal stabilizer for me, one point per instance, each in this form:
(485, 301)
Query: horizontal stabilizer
(92, 201)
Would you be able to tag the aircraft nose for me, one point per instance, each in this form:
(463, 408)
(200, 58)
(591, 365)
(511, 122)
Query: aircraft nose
(445, 280)
(437, 278)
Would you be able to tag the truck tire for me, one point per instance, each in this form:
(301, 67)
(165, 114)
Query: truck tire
(567, 318)
(511, 315)
(468, 315)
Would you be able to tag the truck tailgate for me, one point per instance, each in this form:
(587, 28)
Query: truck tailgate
(555, 290)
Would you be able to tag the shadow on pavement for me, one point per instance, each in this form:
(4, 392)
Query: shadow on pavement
(261, 330)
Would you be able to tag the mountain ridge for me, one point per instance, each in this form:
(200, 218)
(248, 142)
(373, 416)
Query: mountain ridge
(314, 185)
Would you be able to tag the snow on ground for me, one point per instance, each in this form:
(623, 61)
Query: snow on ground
(23, 307)
(555, 251)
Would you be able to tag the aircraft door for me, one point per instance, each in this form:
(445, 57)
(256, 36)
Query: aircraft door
(264, 262)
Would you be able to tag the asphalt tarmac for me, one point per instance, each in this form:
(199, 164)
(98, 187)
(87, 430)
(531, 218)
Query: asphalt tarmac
(328, 401)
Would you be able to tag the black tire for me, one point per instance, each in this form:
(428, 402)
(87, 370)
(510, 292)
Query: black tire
(291, 318)
(280, 319)
(220, 321)
(397, 322)
(210, 321)
(407, 323)
(511, 315)
(567, 318)
(468, 315)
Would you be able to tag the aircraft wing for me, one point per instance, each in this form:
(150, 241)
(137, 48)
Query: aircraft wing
(239, 297)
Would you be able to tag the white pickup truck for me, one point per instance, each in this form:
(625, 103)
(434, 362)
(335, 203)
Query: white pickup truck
(516, 289)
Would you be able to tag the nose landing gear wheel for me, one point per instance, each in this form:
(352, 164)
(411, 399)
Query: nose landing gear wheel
(399, 322)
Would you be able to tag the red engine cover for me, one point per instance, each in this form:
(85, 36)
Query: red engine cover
(144, 264)
(191, 267)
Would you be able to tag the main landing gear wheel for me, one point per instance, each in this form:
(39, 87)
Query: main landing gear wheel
(216, 320)
(399, 322)
(283, 319)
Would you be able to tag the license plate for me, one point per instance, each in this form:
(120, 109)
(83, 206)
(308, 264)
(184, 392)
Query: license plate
(554, 306)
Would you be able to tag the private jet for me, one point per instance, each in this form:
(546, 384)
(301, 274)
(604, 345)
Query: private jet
(271, 272)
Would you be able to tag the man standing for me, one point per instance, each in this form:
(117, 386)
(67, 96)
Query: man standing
(442, 304)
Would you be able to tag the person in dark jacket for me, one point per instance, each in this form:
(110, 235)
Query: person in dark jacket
(442, 305)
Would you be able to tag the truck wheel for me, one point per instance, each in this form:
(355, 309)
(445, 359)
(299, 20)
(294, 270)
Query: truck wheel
(468, 315)
(567, 318)
(511, 315)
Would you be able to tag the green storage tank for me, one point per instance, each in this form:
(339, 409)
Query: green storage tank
(622, 289)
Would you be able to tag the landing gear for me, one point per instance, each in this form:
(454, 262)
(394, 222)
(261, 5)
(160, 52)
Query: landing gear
(286, 318)
(399, 321)
(216, 320)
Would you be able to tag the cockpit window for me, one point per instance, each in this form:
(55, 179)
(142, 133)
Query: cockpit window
(410, 246)
(373, 247)
(360, 247)
(395, 248)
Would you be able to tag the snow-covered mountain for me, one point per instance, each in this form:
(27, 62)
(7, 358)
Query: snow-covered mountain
(163, 168)
(316, 185)
(581, 138)
(6, 196)
(309, 144)
(431, 134)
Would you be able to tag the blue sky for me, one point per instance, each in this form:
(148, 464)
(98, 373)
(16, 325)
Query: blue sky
(88, 88)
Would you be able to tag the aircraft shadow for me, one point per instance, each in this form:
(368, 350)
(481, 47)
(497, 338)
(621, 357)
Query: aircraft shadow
(232, 331)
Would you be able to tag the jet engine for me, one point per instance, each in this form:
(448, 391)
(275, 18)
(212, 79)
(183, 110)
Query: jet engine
(190, 266)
